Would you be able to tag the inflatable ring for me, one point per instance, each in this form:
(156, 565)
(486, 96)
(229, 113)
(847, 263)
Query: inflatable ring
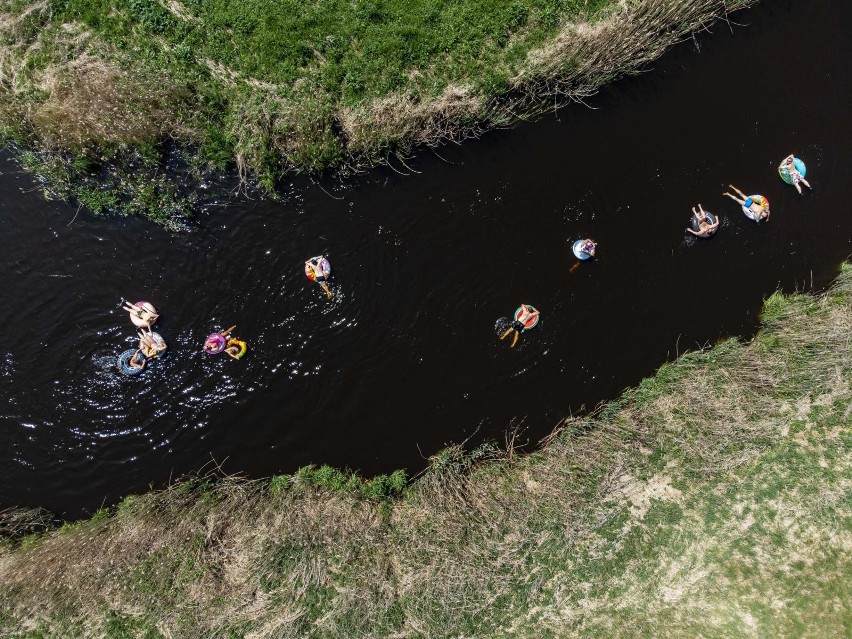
(138, 319)
(217, 341)
(785, 174)
(154, 352)
(759, 199)
(238, 342)
(123, 363)
(710, 218)
(530, 323)
(324, 265)
(577, 249)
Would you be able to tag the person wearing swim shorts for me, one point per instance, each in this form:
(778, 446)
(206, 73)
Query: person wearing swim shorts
(760, 211)
(518, 325)
(796, 178)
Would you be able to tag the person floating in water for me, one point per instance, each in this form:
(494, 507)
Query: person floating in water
(705, 227)
(588, 247)
(319, 270)
(137, 360)
(788, 166)
(216, 342)
(754, 206)
(142, 314)
(522, 319)
(236, 348)
(151, 344)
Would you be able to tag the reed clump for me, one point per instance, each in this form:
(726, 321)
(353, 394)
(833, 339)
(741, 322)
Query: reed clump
(710, 500)
(265, 88)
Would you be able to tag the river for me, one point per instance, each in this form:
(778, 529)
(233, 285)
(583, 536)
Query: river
(404, 360)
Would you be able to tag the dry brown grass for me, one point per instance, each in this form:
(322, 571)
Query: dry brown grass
(404, 118)
(90, 101)
(80, 98)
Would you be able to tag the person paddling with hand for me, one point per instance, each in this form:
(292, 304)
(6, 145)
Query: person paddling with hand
(318, 270)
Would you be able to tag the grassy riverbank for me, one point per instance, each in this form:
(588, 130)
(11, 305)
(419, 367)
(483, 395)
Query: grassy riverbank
(124, 105)
(713, 500)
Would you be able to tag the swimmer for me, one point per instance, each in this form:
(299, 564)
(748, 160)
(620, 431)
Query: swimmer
(519, 324)
(144, 312)
(796, 178)
(137, 360)
(704, 226)
(236, 348)
(588, 247)
(150, 345)
(214, 342)
(319, 275)
(760, 211)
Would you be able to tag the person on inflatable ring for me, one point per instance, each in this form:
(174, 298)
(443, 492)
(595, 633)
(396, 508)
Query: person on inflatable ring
(216, 342)
(145, 313)
(236, 348)
(589, 247)
(138, 360)
(150, 345)
(704, 226)
(319, 275)
(519, 324)
(795, 177)
(760, 211)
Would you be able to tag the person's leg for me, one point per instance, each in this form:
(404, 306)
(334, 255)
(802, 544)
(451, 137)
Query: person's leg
(798, 188)
(805, 182)
(515, 339)
(507, 332)
(743, 195)
(735, 199)
(326, 289)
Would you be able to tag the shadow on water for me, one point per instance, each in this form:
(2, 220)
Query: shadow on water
(404, 359)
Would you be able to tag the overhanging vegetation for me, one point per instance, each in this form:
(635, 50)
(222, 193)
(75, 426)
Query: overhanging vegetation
(105, 96)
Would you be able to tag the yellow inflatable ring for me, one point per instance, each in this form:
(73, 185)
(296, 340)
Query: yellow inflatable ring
(238, 342)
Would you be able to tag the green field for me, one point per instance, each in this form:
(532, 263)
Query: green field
(712, 500)
(98, 94)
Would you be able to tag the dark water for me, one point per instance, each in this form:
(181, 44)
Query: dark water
(404, 360)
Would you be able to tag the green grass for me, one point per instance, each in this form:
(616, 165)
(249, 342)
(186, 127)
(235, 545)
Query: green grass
(95, 87)
(672, 512)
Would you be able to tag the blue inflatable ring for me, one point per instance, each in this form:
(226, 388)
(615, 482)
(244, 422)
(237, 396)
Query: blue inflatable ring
(123, 363)
(578, 253)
